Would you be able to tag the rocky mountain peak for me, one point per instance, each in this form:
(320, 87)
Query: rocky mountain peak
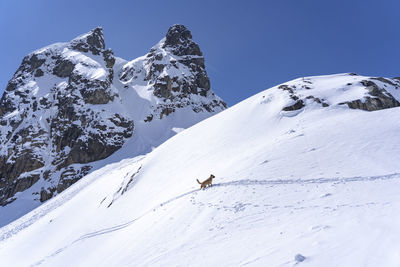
(51, 128)
(179, 40)
(92, 41)
(175, 73)
(178, 34)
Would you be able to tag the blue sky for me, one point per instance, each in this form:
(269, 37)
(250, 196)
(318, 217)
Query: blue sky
(248, 45)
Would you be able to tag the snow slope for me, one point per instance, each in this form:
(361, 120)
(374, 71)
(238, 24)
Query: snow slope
(315, 186)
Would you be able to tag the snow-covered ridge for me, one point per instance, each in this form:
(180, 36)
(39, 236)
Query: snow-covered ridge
(349, 90)
(67, 107)
(313, 186)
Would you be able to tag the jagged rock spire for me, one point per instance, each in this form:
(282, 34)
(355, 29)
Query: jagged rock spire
(177, 34)
(179, 39)
(92, 41)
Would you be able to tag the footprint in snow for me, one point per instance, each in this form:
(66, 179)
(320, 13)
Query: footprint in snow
(299, 258)
(318, 228)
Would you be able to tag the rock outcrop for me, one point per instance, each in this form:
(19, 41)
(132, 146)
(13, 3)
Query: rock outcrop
(377, 98)
(364, 93)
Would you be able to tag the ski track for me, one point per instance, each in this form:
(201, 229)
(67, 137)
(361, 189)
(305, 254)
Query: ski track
(45, 209)
(246, 182)
(8, 230)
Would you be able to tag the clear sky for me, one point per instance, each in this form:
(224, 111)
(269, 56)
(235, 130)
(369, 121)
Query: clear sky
(248, 45)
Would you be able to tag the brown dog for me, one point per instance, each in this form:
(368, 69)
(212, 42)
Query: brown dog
(207, 182)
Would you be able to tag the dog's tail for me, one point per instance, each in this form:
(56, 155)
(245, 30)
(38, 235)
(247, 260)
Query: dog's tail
(198, 181)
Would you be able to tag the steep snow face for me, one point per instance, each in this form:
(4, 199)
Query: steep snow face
(315, 184)
(71, 105)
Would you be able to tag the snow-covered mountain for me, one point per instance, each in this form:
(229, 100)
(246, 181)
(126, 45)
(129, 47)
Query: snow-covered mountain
(71, 105)
(306, 173)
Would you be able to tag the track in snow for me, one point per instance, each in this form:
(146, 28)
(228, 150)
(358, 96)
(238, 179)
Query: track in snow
(25, 221)
(245, 182)
(311, 181)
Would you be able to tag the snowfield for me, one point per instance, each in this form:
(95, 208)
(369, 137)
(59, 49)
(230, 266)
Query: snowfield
(318, 186)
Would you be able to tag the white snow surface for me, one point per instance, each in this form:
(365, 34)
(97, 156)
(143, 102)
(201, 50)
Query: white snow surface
(315, 187)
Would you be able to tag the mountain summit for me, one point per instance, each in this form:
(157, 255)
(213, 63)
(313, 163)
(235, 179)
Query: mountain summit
(72, 104)
(92, 41)
(179, 39)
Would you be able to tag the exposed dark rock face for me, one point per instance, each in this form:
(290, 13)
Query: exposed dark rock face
(30, 63)
(70, 176)
(318, 100)
(6, 104)
(179, 40)
(39, 73)
(47, 193)
(379, 98)
(52, 137)
(17, 185)
(371, 104)
(63, 68)
(384, 80)
(92, 42)
(298, 104)
(93, 91)
(109, 58)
